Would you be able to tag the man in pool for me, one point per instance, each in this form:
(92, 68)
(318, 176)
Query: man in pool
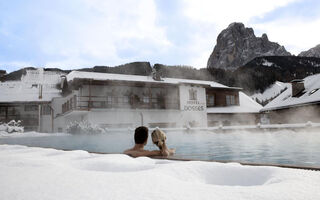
(141, 139)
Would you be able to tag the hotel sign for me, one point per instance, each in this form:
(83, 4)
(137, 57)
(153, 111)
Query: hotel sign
(192, 98)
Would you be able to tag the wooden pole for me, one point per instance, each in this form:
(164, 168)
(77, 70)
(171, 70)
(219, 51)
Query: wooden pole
(52, 119)
(39, 118)
(89, 102)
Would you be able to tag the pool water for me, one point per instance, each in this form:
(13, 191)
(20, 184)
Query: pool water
(300, 148)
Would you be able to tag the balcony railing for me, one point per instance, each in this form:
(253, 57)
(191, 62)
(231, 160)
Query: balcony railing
(129, 102)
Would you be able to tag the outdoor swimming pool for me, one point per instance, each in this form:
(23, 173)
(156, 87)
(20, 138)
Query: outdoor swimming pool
(300, 148)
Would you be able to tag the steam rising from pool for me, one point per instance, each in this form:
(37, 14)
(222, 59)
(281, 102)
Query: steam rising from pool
(280, 147)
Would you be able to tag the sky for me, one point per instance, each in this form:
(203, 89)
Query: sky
(84, 33)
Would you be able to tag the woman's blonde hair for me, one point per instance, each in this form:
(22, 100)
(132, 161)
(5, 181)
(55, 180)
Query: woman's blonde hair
(158, 137)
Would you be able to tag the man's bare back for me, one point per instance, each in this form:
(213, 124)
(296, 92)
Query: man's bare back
(134, 152)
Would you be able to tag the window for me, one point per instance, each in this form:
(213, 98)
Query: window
(30, 107)
(192, 94)
(210, 100)
(13, 111)
(75, 101)
(103, 104)
(230, 100)
(115, 100)
(313, 91)
(126, 99)
(67, 105)
(109, 99)
(145, 99)
(3, 111)
(45, 110)
(71, 103)
(154, 100)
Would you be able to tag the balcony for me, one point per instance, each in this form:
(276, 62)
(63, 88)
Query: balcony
(120, 102)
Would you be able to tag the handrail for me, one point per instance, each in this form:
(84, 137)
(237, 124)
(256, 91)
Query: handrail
(116, 101)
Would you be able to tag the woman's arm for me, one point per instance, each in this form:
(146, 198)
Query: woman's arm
(135, 153)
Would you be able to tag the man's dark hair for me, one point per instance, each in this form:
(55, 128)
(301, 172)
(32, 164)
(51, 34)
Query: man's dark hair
(140, 135)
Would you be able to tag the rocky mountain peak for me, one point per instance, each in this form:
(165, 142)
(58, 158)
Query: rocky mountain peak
(313, 52)
(264, 37)
(237, 45)
(239, 28)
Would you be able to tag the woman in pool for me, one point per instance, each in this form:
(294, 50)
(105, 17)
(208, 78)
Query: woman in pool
(141, 139)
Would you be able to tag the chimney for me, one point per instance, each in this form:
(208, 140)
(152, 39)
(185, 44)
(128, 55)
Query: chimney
(2, 73)
(155, 75)
(297, 87)
(40, 91)
(63, 80)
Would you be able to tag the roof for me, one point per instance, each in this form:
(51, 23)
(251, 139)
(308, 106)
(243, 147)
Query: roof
(272, 91)
(296, 81)
(17, 91)
(27, 90)
(135, 78)
(285, 99)
(247, 105)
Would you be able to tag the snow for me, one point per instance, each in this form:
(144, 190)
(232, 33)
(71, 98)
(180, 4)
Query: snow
(267, 63)
(4, 134)
(271, 92)
(18, 91)
(27, 90)
(285, 99)
(11, 127)
(247, 105)
(37, 173)
(123, 77)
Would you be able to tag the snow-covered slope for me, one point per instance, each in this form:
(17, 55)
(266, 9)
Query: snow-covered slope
(313, 52)
(271, 92)
(36, 174)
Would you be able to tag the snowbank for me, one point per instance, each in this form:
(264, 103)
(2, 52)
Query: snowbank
(84, 127)
(11, 127)
(29, 134)
(36, 173)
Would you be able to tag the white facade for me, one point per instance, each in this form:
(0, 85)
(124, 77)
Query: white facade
(193, 105)
(191, 112)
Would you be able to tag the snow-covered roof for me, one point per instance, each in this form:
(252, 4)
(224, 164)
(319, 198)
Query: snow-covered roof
(17, 91)
(27, 90)
(135, 78)
(247, 105)
(285, 99)
(272, 91)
